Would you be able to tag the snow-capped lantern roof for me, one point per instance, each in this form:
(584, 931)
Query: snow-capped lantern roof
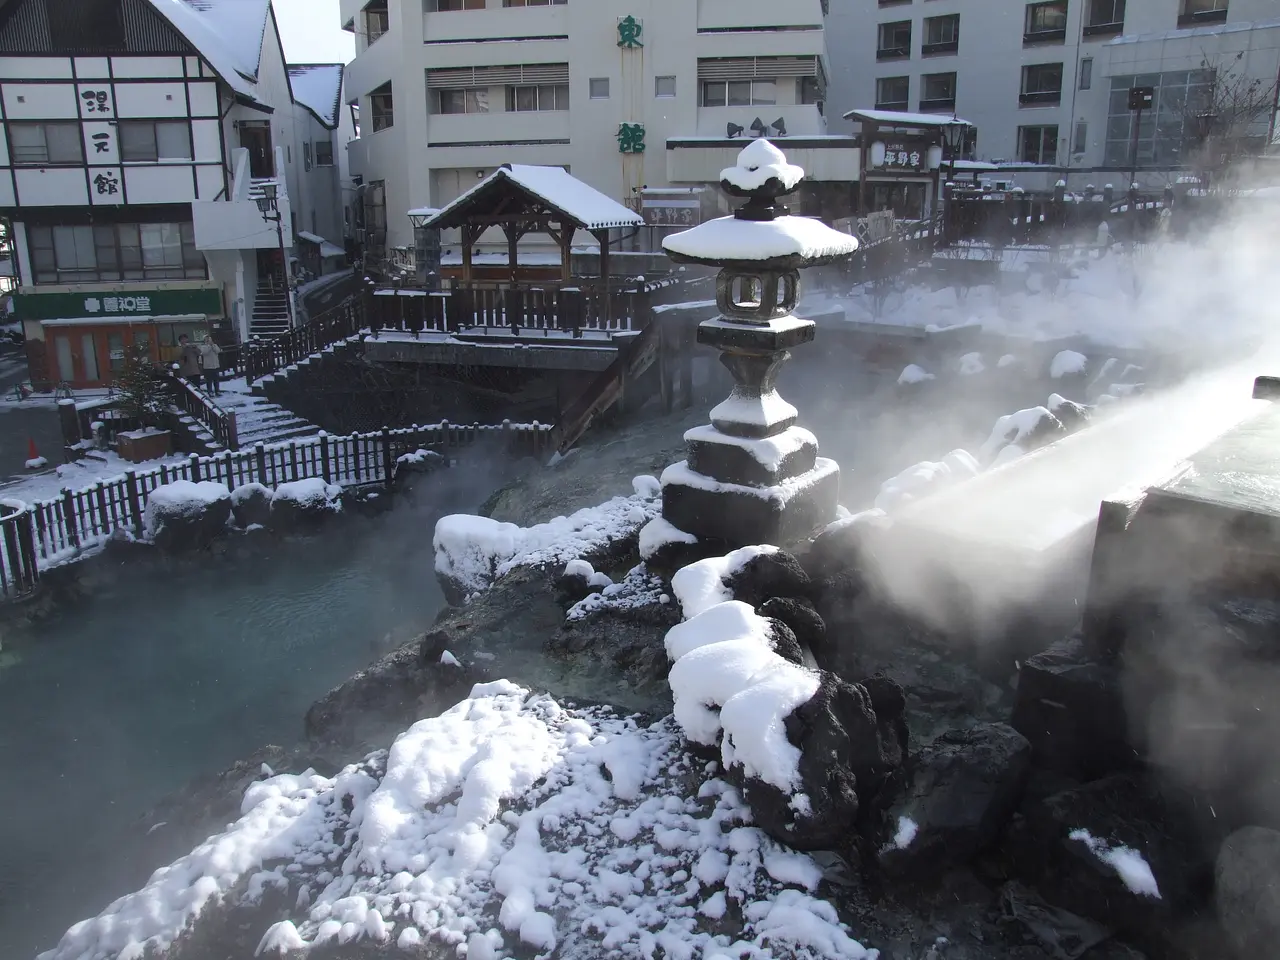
(761, 234)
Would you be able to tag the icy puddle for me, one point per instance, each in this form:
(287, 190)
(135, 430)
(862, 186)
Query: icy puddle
(118, 703)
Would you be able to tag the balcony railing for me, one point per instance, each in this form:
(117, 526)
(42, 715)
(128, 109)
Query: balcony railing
(1042, 98)
(1104, 29)
(938, 105)
(1034, 37)
(946, 46)
(893, 53)
(1199, 17)
(902, 106)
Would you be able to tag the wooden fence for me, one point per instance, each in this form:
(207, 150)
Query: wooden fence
(48, 532)
(197, 404)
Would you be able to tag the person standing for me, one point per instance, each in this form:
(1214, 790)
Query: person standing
(189, 359)
(210, 363)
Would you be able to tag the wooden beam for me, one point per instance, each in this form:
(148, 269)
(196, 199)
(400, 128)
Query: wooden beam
(566, 252)
(468, 241)
(606, 302)
(513, 240)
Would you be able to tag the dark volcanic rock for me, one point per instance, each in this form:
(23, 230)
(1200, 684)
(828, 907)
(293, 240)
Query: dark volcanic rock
(846, 754)
(572, 587)
(251, 504)
(1247, 891)
(625, 645)
(961, 792)
(177, 524)
(1122, 811)
(840, 547)
(1072, 710)
(769, 575)
(809, 630)
(1073, 415)
(784, 643)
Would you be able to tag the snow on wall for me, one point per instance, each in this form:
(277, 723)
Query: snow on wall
(450, 839)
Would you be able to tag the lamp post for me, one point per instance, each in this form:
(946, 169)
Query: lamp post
(953, 133)
(270, 209)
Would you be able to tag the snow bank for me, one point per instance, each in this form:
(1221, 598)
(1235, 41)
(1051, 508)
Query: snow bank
(970, 365)
(1067, 363)
(924, 478)
(35, 463)
(1130, 866)
(181, 499)
(701, 585)
(508, 820)
(660, 532)
(312, 492)
(912, 373)
(475, 551)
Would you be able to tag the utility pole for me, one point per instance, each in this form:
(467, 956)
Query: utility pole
(1140, 98)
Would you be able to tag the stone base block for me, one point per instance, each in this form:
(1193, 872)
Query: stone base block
(762, 462)
(743, 515)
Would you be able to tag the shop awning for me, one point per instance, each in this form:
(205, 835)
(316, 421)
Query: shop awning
(124, 320)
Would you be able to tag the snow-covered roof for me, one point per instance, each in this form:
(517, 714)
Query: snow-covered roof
(1205, 30)
(423, 212)
(227, 33)
(318, 87)
(327, 249)
(583, 205)
(727, 239)
(903, 119)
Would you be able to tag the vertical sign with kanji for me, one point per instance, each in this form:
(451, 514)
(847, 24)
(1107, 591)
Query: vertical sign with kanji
(96, 102)
(105, 186)
(100, 145)
(631, 138)
(629, 32)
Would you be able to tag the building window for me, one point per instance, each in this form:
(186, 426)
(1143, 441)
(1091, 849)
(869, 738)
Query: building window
(664, 86)
(937, 92)
(152, 140)
(739, 93)
(941, 34)
(546, 96)
(1086, 73)
(1180, 95)
(470, 100)
(121, 251)
(1046, 22)
(808, 90)
(382, 107)
(446, 5)
(1103, 17)
(1081, 140)
(376, 21)
(46, 143)
(324, 153)
(598, 88)
(894, 40)
(1041, 84)
(1193, 12)
(892, 93)
(1038, 144)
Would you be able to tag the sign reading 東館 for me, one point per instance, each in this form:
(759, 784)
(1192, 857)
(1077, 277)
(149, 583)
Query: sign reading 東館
(116, 305)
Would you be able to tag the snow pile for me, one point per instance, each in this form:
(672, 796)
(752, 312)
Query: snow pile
(758, 163)
(703, 584)
(181, 499)
(310, 493)
(660, 532)
(1014, 428)
(925, 478)
(912, 373)
(680, 474)
(249, 491)
(475, 551)
(970, 365)
(903, 836)
(769, 452)
(1067, 363)
(1008, 360)
(1130, 866)
(727, 678)
(35, 463)
(507, 821)
(639, 588)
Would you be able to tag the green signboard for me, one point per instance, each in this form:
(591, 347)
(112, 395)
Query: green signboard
(116, 304)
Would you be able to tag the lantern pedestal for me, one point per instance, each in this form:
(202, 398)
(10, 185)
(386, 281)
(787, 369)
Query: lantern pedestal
(752, 476)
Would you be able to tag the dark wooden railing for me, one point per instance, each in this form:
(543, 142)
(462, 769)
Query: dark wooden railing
(48, 532)
(199, 406)
(263, 357)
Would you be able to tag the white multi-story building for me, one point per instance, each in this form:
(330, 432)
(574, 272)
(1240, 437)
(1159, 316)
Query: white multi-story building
(450, 89)
(137, 135)
(1046, 82)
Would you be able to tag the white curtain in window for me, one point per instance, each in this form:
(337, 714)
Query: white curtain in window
(65, 145)
(173, 141)
(161, 245)
(74, 248)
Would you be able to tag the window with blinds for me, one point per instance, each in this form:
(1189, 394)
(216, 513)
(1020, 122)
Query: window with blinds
(521, 74)
(751, 68)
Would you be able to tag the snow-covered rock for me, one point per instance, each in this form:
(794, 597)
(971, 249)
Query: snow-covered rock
(251, 504)
(913, 373)
(970, 365)
(1068, 363)
(1026, 429)
(509, 820)
(304, 502)
(183, 515)
(925, 478)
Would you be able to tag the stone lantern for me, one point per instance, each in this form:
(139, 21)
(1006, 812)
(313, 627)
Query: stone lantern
(752, 475)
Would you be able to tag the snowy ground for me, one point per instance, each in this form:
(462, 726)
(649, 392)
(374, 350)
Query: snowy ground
(104, 465)
(507, 823)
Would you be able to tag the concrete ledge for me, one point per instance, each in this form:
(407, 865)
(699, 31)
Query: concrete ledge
(449, 352)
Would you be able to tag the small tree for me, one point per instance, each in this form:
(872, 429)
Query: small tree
(1226, 120)
(144, 396)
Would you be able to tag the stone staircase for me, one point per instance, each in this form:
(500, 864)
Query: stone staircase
(262, 387)
(270, 310)
(258, 420)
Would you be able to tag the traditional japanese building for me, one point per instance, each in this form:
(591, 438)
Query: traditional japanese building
(137, 137)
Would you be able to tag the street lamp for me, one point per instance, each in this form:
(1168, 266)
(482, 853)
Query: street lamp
(953, 135)
(270, 209)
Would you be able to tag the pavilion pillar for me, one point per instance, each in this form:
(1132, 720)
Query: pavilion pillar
(513, 241)
(566, 252)
(606, 302)
(468, 240)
